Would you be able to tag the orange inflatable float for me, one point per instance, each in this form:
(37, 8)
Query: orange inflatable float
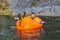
(27, 27)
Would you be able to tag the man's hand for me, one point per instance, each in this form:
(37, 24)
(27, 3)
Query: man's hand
(43, 22)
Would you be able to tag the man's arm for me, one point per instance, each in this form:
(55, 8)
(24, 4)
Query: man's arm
(39, 20)
(42, 22)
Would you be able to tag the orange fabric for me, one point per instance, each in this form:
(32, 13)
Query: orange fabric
(27, 28)
(18, 23)
(28, 23)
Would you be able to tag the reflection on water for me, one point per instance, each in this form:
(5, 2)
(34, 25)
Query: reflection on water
(29, 34)
(52, 30)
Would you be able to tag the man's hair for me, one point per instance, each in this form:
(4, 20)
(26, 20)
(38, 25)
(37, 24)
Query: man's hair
(32, 13)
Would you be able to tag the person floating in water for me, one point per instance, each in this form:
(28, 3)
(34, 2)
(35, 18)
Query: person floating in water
(29, 26)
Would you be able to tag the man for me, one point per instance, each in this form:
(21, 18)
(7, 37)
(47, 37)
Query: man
(33, 16)
(31, 21)
(29, 27)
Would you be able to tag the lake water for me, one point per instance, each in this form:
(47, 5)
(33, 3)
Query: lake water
(52, 30)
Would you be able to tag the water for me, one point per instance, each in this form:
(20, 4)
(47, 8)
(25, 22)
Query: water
(52, 30)
(7, 34)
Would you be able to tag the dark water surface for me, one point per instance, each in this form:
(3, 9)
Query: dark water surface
(52, 29)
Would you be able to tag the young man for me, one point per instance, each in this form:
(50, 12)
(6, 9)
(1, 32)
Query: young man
(34, 17)
(28, 22)
(29, 27)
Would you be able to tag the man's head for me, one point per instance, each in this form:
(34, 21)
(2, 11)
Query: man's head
(33, 15)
